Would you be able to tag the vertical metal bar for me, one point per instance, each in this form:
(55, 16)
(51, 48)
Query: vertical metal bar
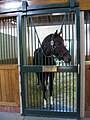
(30, 90)
(20, 24)
(73, 91)
(59, 92)
(26, 88)
(3, 44)
(8, 41)
(24, 43)
(32, 55)
(11, 42)
(70, 92)
(71, 59)
(66, 92)
(63, 91)
(78, 58)
(5, 34)
(86, 38)
(35, 40)
(1, 40)
(26, 39)
(65, 76)
(28, 36)
(65, 29)
(56, 91)
(72, 50)
(69, 33)
(10, 38)
(89, 29)
(14, 42)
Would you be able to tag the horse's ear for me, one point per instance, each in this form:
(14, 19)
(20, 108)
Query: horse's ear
(55, 34)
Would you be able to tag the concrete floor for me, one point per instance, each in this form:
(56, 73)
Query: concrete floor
(17, 116)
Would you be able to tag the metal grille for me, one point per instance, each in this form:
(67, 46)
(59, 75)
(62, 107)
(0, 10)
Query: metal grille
(65, 85)
(8, 40)
(64, 93)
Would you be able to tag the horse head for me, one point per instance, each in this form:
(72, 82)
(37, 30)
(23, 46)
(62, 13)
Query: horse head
(53, 44)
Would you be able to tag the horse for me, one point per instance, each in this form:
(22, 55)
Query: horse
(52, 46)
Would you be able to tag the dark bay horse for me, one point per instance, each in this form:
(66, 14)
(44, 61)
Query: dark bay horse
(52, 45)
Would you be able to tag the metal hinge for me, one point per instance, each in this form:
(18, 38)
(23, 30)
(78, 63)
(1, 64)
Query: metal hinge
(78, 68)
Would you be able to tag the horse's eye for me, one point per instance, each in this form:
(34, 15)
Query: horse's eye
(54, 46)
(61, 55)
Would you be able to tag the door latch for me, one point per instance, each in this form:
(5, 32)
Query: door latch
(78, 68)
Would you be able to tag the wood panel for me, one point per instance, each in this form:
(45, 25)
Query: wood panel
(9, 85)
(84, 4)
(87, 88)
(43, 2)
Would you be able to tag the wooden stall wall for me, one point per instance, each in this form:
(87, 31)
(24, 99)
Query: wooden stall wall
(84, 4)
(9, 80)
(9, 88)
(87, 90)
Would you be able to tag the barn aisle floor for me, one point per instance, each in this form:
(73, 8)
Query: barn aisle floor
(17, 116)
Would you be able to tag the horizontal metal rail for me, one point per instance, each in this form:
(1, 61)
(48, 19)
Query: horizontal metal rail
(39, 68)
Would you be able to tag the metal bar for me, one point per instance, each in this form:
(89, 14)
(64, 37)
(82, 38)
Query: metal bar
(1, 41)
(16, 41)
(73, 92)
(11, 43)
(59, 92)
(38, 12)
(63, 96)
(86, 40)
(28, 36)
(6, 56)
(66, 93)
(23, 41)
(51, 113)
(70, 92)
(20, 24)
(8, 41)
(72, 49)
(5, 41)
(56, 92)
(3, 49)
(38, 68)
(89, 28)
(72, 3)
(26, 88)
(69, 35)
(78, 59)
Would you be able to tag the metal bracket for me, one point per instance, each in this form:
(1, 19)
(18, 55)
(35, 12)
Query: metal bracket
(72, 3)
(78, 68)
(24, 6)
